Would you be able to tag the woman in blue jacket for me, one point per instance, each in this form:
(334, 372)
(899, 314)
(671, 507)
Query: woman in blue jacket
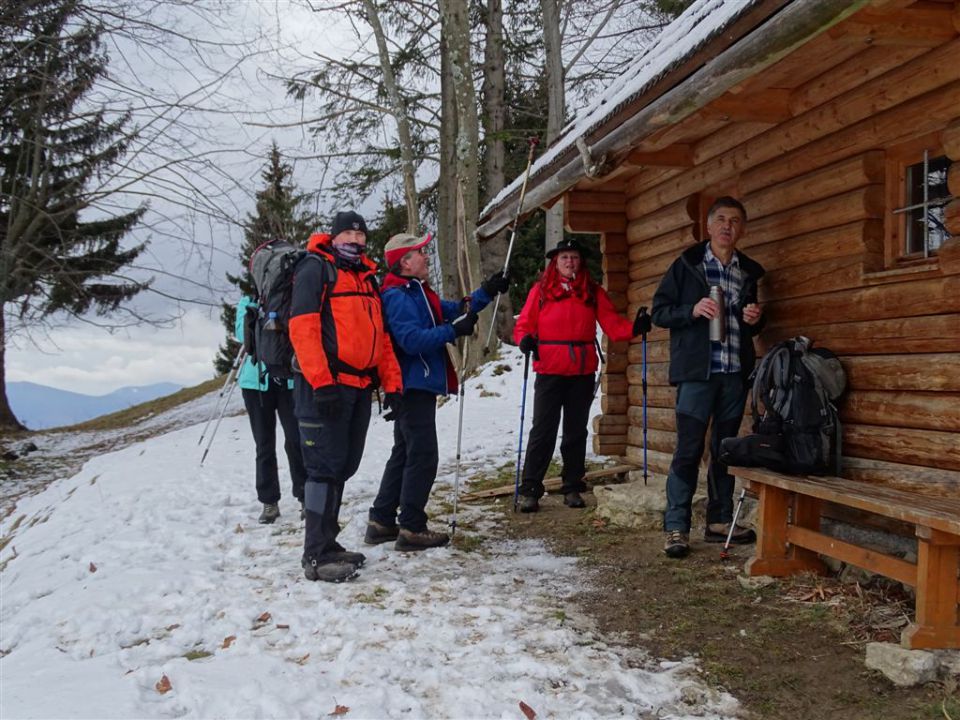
(421, 325)
(267, 398)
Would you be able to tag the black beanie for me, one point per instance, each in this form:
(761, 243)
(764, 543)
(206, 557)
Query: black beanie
(347, 220)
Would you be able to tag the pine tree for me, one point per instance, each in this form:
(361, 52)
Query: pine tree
(55, 149)
(279, 214)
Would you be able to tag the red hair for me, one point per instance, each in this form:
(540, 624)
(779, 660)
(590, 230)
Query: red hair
(555, 287)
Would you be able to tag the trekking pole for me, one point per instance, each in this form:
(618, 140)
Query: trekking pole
(461, 383)
(603, 360)
(725, 552)
(223, 410)
(533, 141)
(234, 369)
(523, 405)
(643, 385)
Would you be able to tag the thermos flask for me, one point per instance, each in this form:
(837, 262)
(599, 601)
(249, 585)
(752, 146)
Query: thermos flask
(718, 324)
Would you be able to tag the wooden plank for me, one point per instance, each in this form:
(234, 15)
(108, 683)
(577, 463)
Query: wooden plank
(860, 120)
(673, 242)
(773, 554)
(671, 217)
(891, 567)
(674, 156)
(652, 269)
(657, 418)
(811, 279)
(585, 201)
(940, 513)
(844, 240)
(859, 204)
(937, 597)
(658, 462)
(662, 396)
(933, 482)
(865, 169)
(923, 334)
(923, 27)
(594, 222)
(555, 483)
(928, 372)
(923, 447)
(770, 106)
(920, 410)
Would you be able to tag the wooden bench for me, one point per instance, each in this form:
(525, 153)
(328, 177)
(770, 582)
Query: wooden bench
(789, 541)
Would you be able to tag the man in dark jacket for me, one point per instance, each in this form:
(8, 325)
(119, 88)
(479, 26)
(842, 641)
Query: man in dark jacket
(421, 325)
(711, 377)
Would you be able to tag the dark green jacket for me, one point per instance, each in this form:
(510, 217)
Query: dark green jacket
(683, 285)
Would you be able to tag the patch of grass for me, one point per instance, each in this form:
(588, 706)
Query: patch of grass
(374, 596)
(468, 543)
(560, 616)
(197, 655)
(500, 369)
(137, 413)
(489, 393)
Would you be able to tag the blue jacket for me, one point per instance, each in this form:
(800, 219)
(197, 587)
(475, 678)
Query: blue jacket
(249, 376)
(419, 341)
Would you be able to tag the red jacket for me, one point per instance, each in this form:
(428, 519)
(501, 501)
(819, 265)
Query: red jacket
(565, 323)
(340, 338)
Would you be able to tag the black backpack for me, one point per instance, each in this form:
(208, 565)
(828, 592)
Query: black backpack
(266, 326)
(798, 431)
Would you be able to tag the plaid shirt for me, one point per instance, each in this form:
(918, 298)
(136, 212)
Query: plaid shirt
(725, 356)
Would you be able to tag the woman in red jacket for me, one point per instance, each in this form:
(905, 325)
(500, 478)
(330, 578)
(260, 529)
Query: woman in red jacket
(558, 325)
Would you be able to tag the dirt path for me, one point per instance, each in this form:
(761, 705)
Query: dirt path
(791, 650)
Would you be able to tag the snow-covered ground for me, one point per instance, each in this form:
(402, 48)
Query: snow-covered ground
(143, 587)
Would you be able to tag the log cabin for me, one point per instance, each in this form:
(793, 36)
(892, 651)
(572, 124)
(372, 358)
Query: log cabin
(838, 126)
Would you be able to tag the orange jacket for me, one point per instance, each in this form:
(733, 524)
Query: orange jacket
(338, 331)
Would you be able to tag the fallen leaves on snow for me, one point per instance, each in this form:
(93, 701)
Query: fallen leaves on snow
(163, 685)
(527, 710)
(339, 710)
(228, 641)
(93, 568)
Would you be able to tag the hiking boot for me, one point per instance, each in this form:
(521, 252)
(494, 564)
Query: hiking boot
(410, 541)
(335, 552)
(717, 533)
(573, 500)
(336, 572)
(271, 511)
(529, 504)
(677, 544)
(379, 533)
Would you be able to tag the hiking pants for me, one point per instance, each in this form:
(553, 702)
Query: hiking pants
(332, 449)
(263, 408)
(552, 394)
(412, 467)
(721, 398)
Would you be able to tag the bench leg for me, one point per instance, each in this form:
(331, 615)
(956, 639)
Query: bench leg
(936, 626)
(773, 555)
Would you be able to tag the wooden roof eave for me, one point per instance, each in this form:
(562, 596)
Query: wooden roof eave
(793, 26)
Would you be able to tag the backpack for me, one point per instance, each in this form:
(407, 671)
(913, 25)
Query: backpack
(799, 429)
(272, 266)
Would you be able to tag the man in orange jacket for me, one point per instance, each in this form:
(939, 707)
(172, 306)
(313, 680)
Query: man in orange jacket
(343, 352)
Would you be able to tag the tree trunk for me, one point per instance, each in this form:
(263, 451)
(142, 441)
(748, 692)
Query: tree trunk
(399, 112)
(493, 252)
(8, 421)
(456, 29)
(446, 200)
(556, 104)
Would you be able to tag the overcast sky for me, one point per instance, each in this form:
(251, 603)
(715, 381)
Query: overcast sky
(189, 253)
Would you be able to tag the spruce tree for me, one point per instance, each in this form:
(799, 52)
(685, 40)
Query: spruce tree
(60, 247)
(280, 214)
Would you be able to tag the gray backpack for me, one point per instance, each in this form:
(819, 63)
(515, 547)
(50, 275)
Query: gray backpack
(798, 387)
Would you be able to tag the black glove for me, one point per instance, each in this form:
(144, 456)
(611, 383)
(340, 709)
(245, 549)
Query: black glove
(497, 283)
(464, 324)
(327, 400)
(642, 324)
(392, 402)
(528, 344)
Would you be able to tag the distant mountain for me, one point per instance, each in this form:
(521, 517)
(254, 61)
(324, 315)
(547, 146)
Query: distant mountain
(39, 407)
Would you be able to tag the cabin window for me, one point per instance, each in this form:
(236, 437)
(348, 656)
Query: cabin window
(920, 216)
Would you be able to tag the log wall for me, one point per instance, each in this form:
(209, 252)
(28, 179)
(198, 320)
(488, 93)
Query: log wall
(816, 185)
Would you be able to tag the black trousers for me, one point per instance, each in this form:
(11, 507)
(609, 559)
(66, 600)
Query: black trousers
(572, 396)
(263, 409)
(332, 450)
(409, 473)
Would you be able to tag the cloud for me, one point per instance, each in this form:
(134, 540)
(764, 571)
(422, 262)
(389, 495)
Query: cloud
(90, 360)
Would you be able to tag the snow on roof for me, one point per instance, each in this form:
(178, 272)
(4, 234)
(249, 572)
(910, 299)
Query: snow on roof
(699, 24)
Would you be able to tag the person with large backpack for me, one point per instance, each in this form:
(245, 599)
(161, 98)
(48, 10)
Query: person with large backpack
(558, 324)
(421, 325)
(267, 398)
(343, 353)
(709, 366)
